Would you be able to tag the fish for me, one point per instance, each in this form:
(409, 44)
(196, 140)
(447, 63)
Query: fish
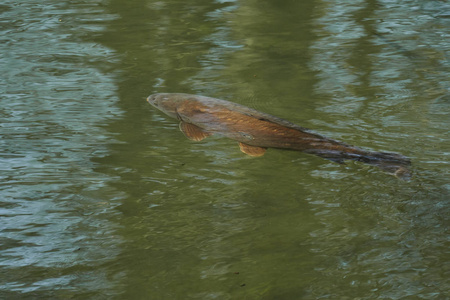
(255, 131)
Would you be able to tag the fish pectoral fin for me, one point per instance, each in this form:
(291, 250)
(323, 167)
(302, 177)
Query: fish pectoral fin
(193, 132)
(252, 150)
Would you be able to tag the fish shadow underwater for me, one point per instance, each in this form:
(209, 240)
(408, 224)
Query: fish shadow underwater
(255, 131)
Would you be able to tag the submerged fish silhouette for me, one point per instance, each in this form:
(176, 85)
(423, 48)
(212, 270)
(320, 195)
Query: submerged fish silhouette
(256, 131)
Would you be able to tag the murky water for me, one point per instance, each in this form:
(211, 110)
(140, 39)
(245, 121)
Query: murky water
(102, 197)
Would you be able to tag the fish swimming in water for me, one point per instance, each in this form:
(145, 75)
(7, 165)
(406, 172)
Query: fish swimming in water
(256, 131)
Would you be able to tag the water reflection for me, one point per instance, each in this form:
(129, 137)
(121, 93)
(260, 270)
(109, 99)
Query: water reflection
(380, 70)
(53, 100)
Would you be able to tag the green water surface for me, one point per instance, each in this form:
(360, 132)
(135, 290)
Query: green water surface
(102, 197)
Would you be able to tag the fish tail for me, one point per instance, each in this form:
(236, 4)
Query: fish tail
(392, 163)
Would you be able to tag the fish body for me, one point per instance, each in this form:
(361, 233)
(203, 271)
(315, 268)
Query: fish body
(256, 131)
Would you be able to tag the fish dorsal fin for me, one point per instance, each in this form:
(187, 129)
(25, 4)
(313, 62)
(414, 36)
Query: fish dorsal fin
(252, 150)
(193, 132)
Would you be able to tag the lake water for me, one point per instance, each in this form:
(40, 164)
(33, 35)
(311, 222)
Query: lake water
(102, 197)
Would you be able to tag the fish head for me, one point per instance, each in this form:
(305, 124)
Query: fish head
(165, 103)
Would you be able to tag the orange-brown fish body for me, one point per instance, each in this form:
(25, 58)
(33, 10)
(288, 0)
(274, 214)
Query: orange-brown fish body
(255, 131)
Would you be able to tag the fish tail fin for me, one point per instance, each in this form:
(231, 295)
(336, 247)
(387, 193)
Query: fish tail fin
(392, 163)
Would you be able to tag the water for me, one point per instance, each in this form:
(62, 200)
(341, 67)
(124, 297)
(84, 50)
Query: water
(102, 197)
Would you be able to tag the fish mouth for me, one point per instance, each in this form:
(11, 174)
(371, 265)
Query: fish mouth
(152, 99)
